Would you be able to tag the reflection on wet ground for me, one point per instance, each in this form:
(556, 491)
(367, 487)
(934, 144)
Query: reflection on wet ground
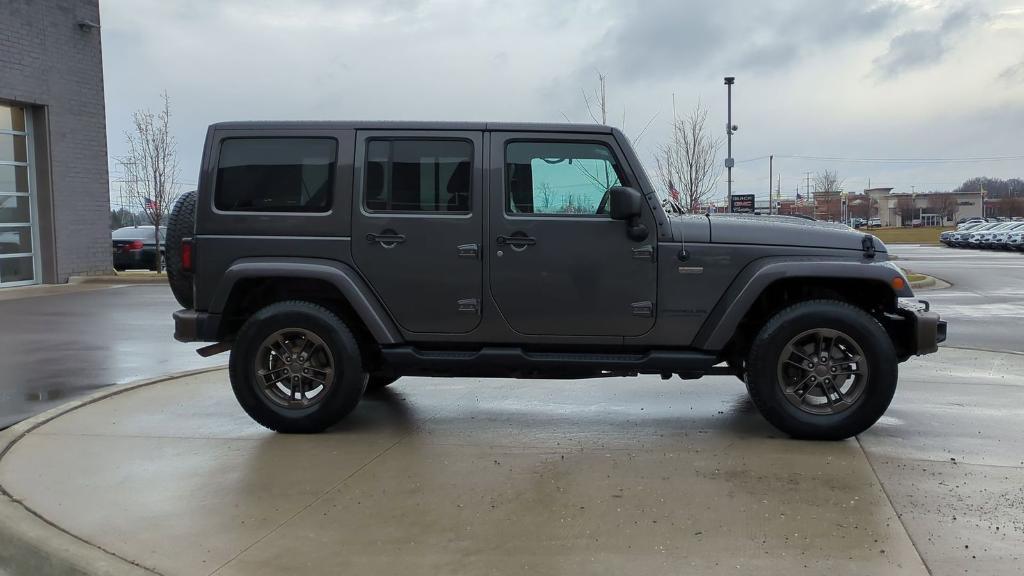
(69, 343)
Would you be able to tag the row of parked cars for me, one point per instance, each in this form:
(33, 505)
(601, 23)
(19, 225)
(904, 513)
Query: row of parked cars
(991, 233)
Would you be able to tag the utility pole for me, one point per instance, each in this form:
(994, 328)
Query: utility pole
(771, 205)
(730, 128)
(813, 204)
(778, 194)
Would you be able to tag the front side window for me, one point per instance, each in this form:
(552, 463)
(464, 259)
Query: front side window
(418, 176)
(276, 174)
(563, 178)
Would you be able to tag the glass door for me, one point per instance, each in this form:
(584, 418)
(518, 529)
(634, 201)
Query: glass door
(18, 243)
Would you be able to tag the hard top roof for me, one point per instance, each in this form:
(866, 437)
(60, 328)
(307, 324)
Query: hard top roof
(409, 125)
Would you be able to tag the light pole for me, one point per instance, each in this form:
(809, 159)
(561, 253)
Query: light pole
(730, 128)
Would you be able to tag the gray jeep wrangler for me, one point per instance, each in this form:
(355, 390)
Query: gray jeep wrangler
(333, 258)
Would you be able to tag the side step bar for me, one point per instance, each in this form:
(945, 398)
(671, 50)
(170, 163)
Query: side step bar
(495, 361)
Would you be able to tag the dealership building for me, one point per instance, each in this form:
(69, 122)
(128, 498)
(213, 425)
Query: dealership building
(929, 209)
(54, 190)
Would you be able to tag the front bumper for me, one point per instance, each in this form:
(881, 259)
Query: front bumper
(193, 326)
(925, 330)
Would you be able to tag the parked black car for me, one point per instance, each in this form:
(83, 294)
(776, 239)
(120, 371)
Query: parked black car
(135, 248)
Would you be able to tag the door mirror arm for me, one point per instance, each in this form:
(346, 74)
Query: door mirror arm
(635, 229)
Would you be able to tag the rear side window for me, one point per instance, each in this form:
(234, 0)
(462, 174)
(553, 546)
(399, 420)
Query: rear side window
(418, 176)
(276, 174)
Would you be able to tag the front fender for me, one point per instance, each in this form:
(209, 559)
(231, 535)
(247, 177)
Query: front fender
(343, 277)
(721, 324)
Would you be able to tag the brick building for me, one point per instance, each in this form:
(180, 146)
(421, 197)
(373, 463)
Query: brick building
(54, 198)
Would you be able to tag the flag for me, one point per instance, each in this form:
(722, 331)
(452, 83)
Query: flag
(150, 205)
(798, 196)
(672, 192)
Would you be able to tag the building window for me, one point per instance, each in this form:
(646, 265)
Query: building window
(18, 245)
(276, 174)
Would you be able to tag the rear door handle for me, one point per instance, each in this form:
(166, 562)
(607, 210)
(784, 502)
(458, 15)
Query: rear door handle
(515, 241)
(387, 238)
(469, 251)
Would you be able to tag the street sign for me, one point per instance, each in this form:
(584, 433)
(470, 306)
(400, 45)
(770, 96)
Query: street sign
(742, 203)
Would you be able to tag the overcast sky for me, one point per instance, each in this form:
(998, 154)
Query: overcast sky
(850, 79)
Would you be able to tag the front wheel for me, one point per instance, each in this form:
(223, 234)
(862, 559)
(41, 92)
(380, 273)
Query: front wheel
(823, 370)
(295, 367)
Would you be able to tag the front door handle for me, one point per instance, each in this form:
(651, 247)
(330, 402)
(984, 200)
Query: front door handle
(645, 252)
(387, 238)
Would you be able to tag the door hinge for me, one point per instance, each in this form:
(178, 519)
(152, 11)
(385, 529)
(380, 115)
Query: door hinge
(645, 252)
(643, 309)
(469, 305)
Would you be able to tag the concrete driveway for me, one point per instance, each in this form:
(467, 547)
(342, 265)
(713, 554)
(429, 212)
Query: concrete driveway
(463, 476)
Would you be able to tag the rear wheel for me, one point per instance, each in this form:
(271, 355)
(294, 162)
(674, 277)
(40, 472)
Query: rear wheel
(295, 367)
(822, 370)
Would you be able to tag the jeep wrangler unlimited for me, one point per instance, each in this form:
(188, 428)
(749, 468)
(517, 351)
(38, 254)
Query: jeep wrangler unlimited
(335, 257)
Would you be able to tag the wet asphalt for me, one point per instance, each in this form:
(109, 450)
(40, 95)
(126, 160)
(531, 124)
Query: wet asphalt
(70, 342)
(985, 302)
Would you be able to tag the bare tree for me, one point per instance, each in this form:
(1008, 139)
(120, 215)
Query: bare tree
(688, 161)
(945, 205)
(1012, 207)
(827, 187)
(149, 171)
(906, 207)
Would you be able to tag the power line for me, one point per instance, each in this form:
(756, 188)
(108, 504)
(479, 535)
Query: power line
(963, 160)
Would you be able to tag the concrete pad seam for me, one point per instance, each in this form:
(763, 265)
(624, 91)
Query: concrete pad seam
(993, 350)
(956, 463)
(71, 559)
(888, 499)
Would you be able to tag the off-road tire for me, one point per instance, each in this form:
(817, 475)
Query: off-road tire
(349, 379)
(865, 330)
(181, 223)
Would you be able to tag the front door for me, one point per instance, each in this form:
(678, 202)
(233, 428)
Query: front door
(559, 265)
(417, 226)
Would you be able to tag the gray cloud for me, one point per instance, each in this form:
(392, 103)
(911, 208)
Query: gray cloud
(1013, 74)
(918, 49)
(671, 38)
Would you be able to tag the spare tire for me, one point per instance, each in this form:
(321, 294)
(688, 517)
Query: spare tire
(180, 224)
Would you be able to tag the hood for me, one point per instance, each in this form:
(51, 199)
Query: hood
(786, 231)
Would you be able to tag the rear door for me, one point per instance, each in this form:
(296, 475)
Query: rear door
(559, 265)
(417, 226)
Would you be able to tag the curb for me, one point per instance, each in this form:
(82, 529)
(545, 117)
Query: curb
(928, 282)
(29, 543)
(120, 279)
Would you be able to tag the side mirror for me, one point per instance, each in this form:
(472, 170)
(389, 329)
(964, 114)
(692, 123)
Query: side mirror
(626, 203)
